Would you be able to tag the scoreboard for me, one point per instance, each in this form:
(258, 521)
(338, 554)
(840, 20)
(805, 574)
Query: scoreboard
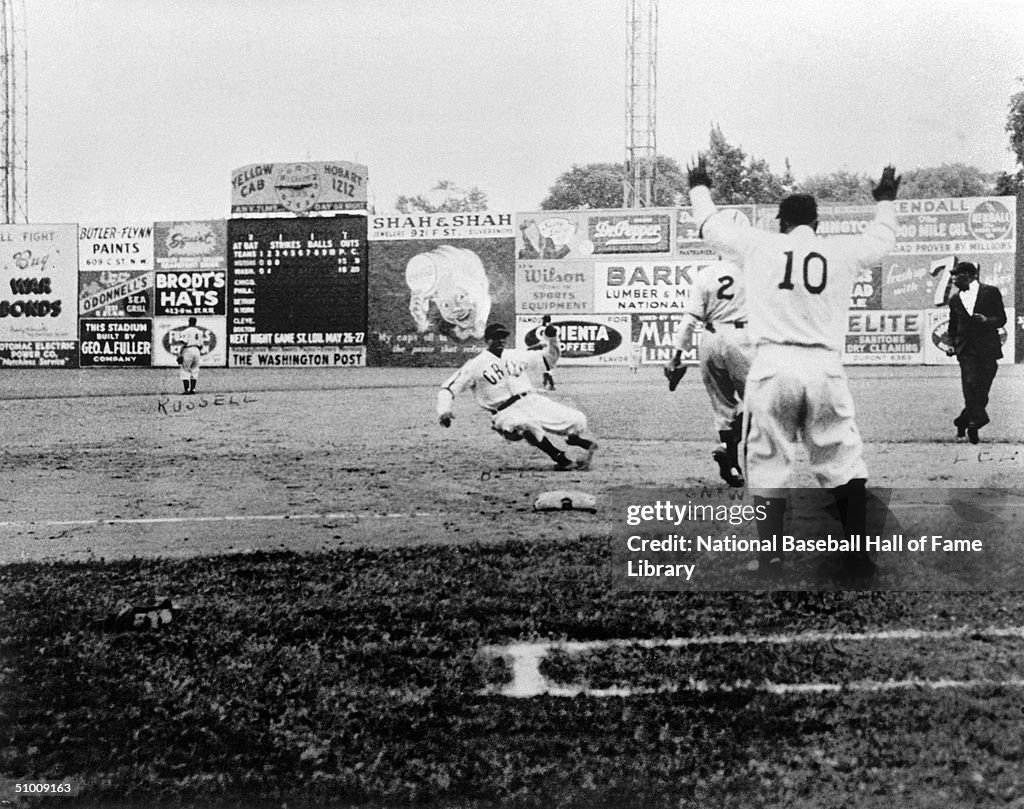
(298, 291)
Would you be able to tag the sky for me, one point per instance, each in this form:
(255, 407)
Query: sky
(140, 110)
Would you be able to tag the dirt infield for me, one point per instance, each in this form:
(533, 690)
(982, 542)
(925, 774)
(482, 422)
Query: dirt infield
(109, 464)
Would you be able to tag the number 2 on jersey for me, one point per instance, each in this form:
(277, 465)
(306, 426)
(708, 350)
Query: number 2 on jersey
(821, 264)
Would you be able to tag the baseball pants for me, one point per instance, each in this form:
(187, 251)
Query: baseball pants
(799, 393)
(725, 356)
(538, 415)
(189, 368)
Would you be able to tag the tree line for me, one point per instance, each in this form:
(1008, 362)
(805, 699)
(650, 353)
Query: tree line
(744, 179)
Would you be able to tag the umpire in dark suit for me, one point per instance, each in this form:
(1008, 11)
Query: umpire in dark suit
(975, 316)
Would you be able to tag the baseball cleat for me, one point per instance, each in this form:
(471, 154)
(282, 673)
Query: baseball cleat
(729, 470)
(585, 462)
(563, 464)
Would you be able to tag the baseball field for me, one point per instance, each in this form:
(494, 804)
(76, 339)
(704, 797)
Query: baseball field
(363, 609)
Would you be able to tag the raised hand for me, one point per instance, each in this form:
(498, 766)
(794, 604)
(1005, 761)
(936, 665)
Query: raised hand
(698, 174)
(887, 186)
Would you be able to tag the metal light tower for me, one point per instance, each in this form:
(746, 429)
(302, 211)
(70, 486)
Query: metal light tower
(14, 112)
(641, 88)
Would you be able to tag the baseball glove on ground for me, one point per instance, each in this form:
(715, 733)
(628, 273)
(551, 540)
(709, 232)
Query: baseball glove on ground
(675, 376)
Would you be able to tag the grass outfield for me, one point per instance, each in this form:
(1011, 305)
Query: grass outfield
(356, 677)
(370, 612)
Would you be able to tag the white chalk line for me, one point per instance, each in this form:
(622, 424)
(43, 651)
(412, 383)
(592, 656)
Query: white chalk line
(328, 515)
(528, 681)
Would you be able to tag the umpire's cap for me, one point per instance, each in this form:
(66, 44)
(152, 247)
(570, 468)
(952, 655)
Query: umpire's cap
(798, 209)
(494, 331)
(965, 266)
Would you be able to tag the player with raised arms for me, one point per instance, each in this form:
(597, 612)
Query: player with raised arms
(798, 287)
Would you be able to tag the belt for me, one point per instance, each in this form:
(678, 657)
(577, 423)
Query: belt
(507, 403)
(736, 324)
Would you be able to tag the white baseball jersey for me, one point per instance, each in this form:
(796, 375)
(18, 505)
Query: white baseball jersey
(717, 294)
(493, 379)
(801, 282)
(717, 297)
(192, 336)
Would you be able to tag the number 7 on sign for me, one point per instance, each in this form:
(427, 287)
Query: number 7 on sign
(942, 267)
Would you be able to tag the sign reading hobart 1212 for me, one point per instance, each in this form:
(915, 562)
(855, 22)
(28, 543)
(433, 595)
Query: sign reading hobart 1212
(298, 187)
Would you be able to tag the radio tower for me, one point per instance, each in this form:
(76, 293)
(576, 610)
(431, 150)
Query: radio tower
(14, 135)
(641, 87)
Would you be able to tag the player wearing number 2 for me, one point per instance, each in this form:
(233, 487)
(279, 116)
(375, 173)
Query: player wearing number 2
(499, 381)
(717, 301)
(796, 388)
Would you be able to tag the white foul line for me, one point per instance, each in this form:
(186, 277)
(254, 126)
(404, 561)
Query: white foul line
(528, 681)
(330, 515)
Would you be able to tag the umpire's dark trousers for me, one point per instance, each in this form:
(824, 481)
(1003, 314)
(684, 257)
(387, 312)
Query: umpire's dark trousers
(976, 375)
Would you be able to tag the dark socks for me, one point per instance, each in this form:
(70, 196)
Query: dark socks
(545, 446)
(576, 441)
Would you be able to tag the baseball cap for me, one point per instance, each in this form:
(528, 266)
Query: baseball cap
(494, 331)
(964, 266)
(798, 209)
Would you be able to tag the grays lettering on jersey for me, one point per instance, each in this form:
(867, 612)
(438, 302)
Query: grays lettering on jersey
(493, 379)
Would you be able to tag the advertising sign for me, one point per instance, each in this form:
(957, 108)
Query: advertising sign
(611, 233)
(38, 296)
(115, 263)
(555, 287)
(936, 337)
(115, 247)
(644, 285)
(116, 343)
(283, 357)
(884, 338)
(590, 340)
(867, 289)
(115, 293)
(652, 335)
(552, 235)
(934, 233)
(300, 188)
(190, 260)
(191, 292)
(39, 354)
(167, 341)
(297, 284)
(437, 281)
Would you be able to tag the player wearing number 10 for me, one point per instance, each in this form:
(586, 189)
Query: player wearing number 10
(798, 286)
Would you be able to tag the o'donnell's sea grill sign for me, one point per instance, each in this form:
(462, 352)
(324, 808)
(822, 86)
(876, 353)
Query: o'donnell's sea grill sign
(298, 187)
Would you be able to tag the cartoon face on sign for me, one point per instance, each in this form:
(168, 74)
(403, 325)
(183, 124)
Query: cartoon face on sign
(454, 280)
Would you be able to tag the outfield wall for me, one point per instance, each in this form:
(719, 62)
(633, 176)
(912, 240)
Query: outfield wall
(417, 289)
